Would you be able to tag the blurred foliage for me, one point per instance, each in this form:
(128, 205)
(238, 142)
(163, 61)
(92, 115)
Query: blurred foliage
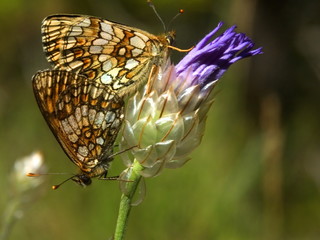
(256, 173)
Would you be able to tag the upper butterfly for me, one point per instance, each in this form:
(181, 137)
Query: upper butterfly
(85, 117)
(120, 56)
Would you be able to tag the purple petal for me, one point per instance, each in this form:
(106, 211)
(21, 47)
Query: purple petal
(209, 60)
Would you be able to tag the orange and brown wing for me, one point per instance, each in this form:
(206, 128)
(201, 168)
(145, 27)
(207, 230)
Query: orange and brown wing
(84, 116)
(104, 51)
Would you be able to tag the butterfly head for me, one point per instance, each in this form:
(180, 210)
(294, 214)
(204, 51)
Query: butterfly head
(170, 37)
(94, 168)
(82, 179)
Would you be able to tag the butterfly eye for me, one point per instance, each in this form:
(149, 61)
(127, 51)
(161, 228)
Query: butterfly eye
(170, 38)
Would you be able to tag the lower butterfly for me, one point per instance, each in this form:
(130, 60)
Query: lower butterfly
(114, 54)
(85, 117)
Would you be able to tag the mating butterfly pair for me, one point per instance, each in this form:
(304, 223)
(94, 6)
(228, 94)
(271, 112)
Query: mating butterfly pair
(97, 63)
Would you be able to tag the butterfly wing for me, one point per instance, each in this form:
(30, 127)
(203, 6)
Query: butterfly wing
(108, 52)
(84, 116)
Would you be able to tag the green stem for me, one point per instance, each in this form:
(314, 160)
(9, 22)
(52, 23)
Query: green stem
(9, 218)
(126, 201)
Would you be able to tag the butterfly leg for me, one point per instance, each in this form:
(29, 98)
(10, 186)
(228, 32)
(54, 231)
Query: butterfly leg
(153, 71)
(104, 177)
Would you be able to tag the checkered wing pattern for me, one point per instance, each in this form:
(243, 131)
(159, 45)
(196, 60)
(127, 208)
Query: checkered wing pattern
(85, 116)
(110, 53)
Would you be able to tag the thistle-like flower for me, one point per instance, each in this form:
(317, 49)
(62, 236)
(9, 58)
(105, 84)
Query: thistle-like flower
(166, 120)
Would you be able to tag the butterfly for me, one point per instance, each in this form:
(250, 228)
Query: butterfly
(110, 53)
(85, 116)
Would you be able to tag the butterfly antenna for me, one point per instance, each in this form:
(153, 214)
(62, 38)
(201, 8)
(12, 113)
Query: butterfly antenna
(43, 174)
(157, 14)
(54, 187)
(175, 17)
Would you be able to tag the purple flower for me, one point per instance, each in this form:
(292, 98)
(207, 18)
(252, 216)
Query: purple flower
(209, 60)
(166, 120)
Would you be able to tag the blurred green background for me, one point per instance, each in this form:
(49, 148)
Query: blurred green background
(256, 174)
